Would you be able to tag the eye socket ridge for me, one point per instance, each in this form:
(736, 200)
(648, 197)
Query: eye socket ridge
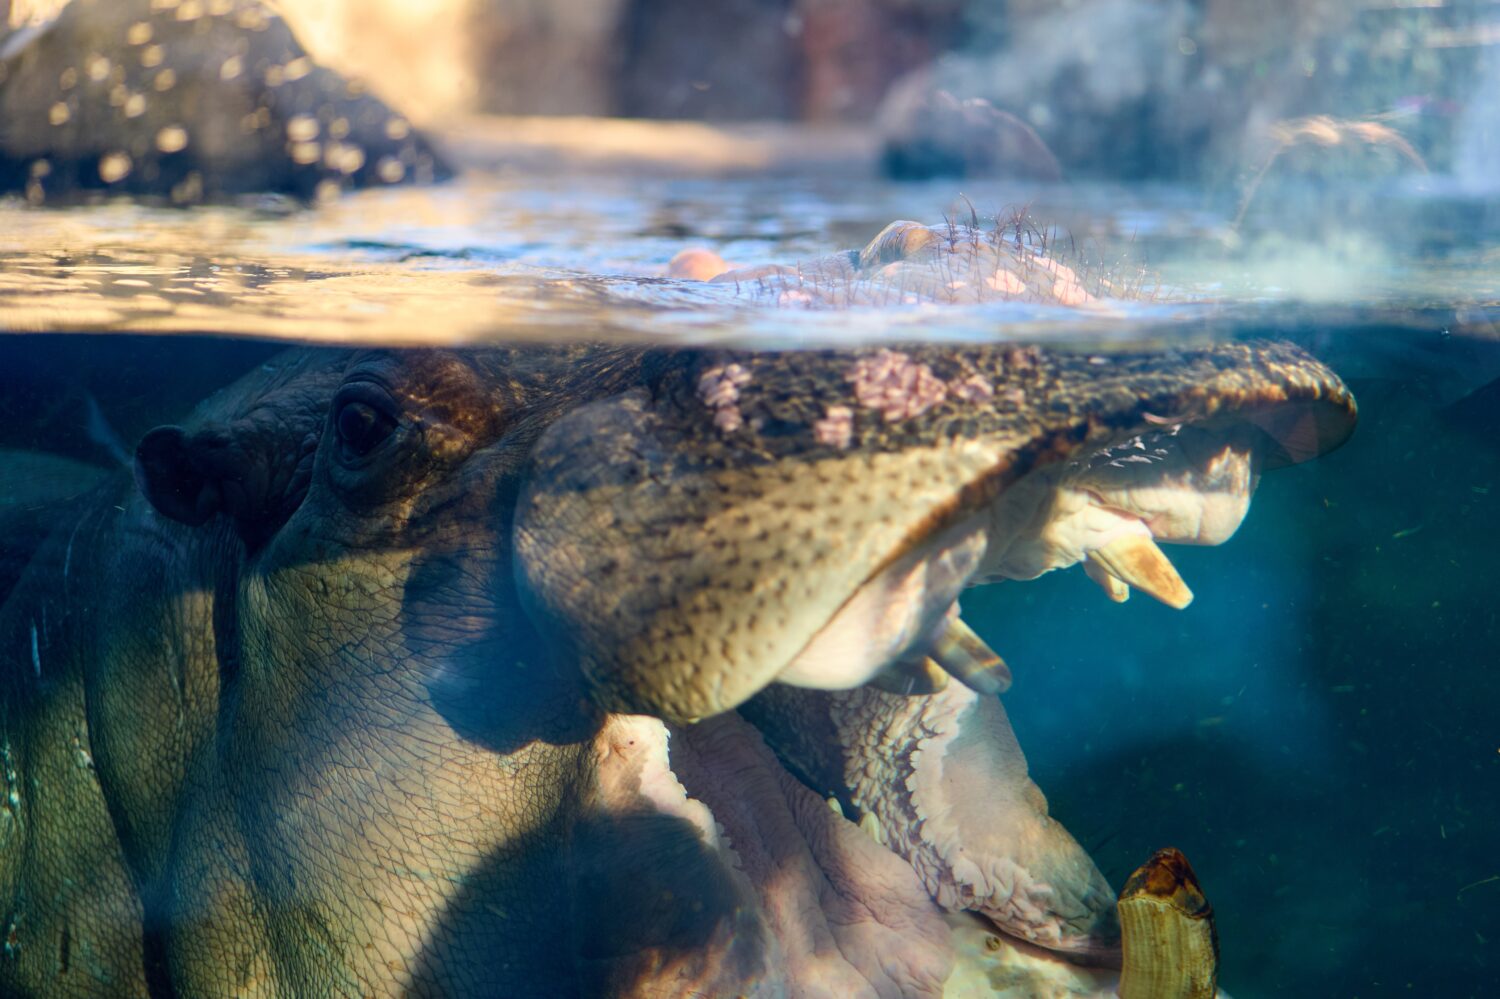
(364, 418)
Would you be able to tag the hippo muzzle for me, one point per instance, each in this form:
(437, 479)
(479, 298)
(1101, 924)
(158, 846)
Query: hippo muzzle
(766, 551)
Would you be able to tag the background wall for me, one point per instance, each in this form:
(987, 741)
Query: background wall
(1115, 88)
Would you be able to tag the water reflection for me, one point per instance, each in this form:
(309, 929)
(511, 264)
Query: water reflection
(515, 257)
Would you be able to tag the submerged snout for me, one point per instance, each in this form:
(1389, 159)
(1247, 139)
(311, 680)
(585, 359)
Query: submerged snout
(811, 517)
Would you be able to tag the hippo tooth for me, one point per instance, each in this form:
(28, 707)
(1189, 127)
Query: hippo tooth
(871, 827)
(1135, 559)
(838, 809)
(1113, 588)
(911, 675)
(1171, 948)
(968, 660)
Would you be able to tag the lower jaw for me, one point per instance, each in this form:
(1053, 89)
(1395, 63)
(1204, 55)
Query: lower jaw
(838, 913)
(988, 964)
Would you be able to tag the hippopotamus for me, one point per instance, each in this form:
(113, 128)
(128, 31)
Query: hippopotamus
(594, 669)
(189, 101)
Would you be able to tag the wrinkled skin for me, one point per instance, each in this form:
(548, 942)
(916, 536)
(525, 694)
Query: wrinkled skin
(456, 673)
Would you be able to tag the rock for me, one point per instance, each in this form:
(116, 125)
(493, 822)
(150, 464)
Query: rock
(929, 133)
(730, 60)
(189, 100)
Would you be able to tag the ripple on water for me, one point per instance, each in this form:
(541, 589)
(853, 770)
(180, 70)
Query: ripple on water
(515, 257)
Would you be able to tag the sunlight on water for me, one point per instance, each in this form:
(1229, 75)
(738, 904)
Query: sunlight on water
(493, 257)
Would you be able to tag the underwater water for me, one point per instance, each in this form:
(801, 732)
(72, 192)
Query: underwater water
(1319, 731)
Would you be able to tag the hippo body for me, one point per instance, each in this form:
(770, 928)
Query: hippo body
(590, 670)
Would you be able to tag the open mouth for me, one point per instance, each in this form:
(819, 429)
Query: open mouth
(866, 793)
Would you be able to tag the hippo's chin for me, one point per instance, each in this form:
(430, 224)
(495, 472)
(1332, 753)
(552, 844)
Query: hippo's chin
(894, 904)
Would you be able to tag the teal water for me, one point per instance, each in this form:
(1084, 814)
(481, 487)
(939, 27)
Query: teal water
(1318, 732)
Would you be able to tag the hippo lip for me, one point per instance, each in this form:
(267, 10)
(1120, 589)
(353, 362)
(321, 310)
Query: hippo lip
(1106, 508)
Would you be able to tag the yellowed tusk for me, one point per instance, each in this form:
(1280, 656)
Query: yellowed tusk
(1113, 588)
(1167, 931)
(969, 661)
(1135, 559)
(911, 676)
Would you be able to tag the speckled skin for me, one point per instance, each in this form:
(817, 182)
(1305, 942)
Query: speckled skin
(284, 718)
(649, 492)
(189, 101)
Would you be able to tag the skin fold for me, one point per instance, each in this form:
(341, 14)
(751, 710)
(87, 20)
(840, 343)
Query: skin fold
(419, 673)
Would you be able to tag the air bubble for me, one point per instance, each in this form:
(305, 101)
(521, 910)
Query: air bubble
(114, 167)
(305, 153)
(302, 128)
(172, 139)
(390, 170)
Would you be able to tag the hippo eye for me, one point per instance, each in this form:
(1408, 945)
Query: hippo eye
(361, 427)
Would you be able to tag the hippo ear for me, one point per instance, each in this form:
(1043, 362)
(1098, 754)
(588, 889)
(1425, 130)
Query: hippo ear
(174, 479)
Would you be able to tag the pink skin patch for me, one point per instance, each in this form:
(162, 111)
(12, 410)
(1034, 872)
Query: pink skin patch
(1066, 288)
(696, 265)
(728, 419)
(1006, 283)
(719, 388)
(975, 388)
(836, 429)
(891, 382)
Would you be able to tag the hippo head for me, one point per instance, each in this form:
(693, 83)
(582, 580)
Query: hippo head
(644, 657)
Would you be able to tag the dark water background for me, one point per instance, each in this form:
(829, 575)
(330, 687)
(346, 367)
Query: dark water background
(1319, 731)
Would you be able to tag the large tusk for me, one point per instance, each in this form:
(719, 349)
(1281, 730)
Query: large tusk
(914, 675)
(1167, 930)
(968, 660)
(1135, 559)
(1113, 588)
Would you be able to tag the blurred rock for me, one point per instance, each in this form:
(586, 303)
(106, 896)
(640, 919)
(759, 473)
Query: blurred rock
(189, 100)
(855, 50)
(927, 133)
(727, 60)
(1102, 81)
(418, 56)
(548, 57)
(1194, 89)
